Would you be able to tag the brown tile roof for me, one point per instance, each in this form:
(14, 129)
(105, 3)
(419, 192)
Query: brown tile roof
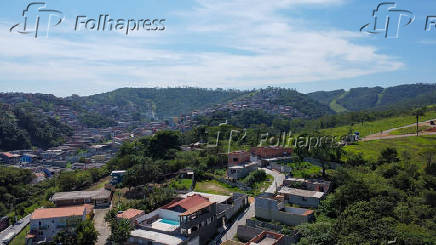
(8, 154)
(48, 213)
(196, 208)
(191, 204)
(130, 213)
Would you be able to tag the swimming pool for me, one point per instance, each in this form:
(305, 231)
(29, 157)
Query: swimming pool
(170, 222)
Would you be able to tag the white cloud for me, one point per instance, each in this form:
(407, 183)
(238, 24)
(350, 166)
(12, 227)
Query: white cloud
(268, 48)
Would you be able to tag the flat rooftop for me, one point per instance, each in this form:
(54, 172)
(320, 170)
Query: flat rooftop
(99, 194)
(299, 192)
(156, 237)
(211, 197)
(299, 211)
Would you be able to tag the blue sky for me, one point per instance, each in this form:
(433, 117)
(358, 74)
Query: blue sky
(309, 45)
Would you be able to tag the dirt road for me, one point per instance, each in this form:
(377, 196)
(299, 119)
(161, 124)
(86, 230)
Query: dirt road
(386, 134)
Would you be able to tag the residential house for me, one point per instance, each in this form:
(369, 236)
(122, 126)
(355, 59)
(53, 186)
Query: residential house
(45, 223)
(301, 197)
(266, 152)
(117, 176)
(238, 157)
(10, 158)
(308, 184)
(226, 206)
(28, 158)
(240, 171)
(131, 214)
(99, 198)
(190, 218)
(272, 207)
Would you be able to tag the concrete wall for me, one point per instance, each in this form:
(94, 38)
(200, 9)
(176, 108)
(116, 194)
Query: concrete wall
(235, 158)
(50, 227)
(270, 209)
(281, 168)
(246, 233)
(329, 165)
(311, 202)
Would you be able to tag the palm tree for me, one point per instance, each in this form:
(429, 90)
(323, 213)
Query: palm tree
(418, 112)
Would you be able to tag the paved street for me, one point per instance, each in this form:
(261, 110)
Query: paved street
(101, 226)
(13, 230)
(241, 220)
(250, 212)
(278, 180)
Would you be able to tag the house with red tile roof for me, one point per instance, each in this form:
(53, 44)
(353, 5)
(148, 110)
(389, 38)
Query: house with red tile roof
(192, 217)
(9, 158)
(45, 223)
(131, 214)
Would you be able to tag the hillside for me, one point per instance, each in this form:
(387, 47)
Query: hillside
(21, 128)
(379, 98)
(157, 102)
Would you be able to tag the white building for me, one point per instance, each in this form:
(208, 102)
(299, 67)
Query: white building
(45, 223)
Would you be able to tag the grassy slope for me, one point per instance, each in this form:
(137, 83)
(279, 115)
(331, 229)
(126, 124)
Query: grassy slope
(414, 145)
(409, 130)
(217, 188)
(375, 127)
(337, 107)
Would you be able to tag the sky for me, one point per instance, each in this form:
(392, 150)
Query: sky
(309, 45)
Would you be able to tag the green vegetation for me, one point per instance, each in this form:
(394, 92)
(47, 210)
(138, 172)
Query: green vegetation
(94, 120)
(414, 146)
(83, 234)
(409, 130)
(336, 107)
(120, 228)
(305, 170)
(254, 178)
(166, 102)
(360, 98)
(80, 179)
(218, 188)
(389, 199)
(326, 98)
(378, 126)
(20, 239)
(181, 184)
(410, 95)
(22, 128)
(18, 197)
(214, 187)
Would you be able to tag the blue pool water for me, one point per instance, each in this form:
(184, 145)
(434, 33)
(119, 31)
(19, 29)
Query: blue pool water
(170, 222)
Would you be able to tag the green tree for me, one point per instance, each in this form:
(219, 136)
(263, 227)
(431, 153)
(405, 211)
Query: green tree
(86, 233)
(120, 230)
(389, 155)
(320, 233)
